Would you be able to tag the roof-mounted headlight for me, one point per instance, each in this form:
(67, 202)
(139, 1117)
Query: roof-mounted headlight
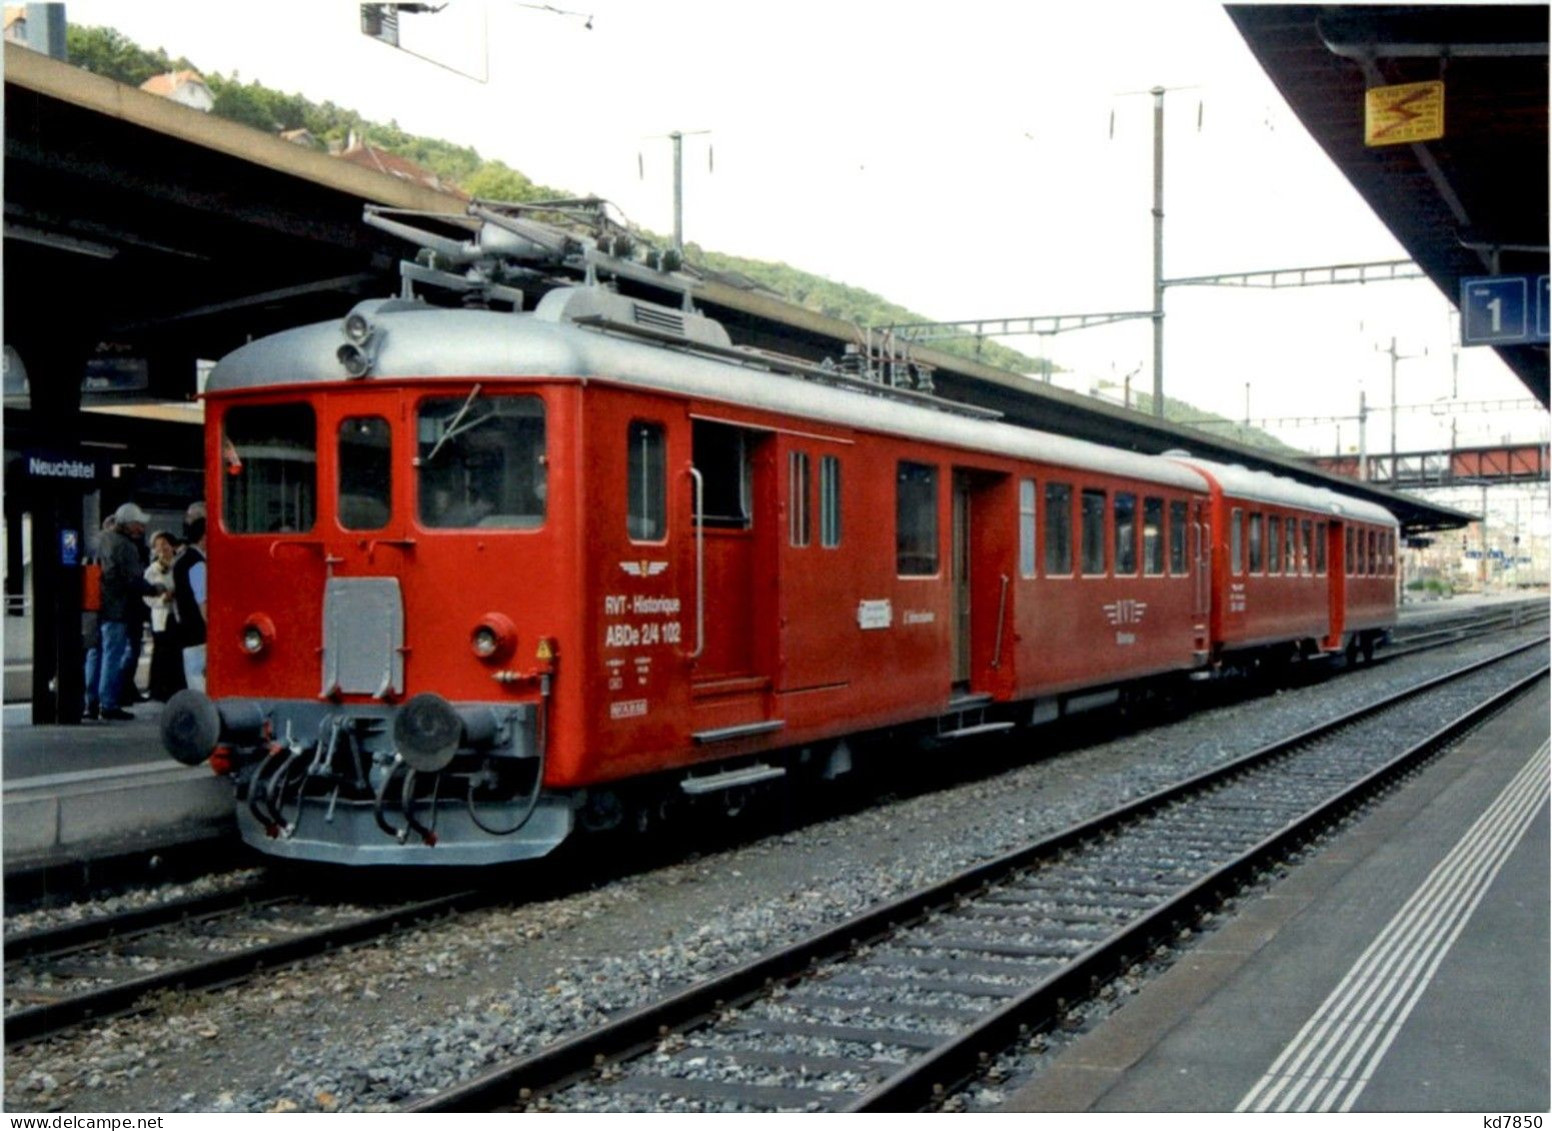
(358, 328)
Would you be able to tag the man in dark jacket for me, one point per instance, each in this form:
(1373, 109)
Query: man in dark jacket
(189, 596)
(123, 587)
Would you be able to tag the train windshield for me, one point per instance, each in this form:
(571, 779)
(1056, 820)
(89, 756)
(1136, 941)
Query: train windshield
(481, 461)
(269, 458)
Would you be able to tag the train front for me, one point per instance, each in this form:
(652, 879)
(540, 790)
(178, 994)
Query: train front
(388, 592)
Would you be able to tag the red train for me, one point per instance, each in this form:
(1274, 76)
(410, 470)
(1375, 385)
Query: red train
(480, 577)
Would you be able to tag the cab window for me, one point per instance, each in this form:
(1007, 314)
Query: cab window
(481, 461)
(365, 473)
(269, 456)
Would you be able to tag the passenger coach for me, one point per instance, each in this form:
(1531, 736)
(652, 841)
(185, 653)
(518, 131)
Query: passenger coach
(480, 577)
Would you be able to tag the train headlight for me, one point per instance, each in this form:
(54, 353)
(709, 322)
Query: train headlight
(258, 635)
(357, 328)
(357, 362)
(494, 638)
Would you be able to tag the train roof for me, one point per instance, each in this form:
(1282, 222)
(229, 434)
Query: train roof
(416, 341)
(1241, 482)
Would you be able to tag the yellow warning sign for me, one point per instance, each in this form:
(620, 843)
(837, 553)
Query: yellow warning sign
(1395, 115)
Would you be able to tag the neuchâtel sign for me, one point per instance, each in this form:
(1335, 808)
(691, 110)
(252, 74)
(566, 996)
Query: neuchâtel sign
(1398, 115)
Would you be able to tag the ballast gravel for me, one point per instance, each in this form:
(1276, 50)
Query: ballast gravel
(378, 1026)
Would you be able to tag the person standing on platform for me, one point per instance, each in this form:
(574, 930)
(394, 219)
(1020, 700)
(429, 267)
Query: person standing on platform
(91, 629)
(166, 652)
(123, 586)
(189, 597)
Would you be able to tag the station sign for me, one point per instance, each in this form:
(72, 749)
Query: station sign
(1503, 310)
(60, 467)
(1400, 115)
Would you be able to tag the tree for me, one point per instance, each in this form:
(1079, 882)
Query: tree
(106, 52)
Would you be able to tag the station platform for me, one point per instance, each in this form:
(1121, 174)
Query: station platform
(1403, 967)
(71, 792)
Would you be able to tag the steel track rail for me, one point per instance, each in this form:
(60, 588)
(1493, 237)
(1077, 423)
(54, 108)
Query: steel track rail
(122, 996)
(48, 940)
(639, 1030)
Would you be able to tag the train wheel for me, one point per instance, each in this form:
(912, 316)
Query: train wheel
(1368, 649)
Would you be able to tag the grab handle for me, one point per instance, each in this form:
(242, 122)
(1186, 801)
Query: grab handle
(700, 564)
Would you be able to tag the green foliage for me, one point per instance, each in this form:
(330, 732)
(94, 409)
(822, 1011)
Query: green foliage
(106, 52)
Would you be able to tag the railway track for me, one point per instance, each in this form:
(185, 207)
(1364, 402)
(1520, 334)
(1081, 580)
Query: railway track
(107, 965)
(1443, 631)
(893, 1009)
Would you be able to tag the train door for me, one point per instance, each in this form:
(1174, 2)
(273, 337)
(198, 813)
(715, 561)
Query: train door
(365, 539)
(816, 620)
(981, 566)
(734, 529)
(1201, 582)
(1336, 585)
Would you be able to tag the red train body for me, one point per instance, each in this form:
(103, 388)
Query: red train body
(478, 578)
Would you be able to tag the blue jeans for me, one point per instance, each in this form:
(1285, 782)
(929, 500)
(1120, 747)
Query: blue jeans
(93, 672)
(116, 652)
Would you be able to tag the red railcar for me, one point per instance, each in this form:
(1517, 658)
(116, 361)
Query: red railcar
(480, 577)
(1286, 579)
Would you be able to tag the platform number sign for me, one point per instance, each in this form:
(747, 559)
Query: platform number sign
(1503, 310)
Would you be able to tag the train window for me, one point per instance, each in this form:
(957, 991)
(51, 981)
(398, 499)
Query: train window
(1058, 530)
(1320, 549)
(1236, 540)
(1274, 545)
(1373, 559)
(721, 454)
(1177, 539)
(1349, 533)
(1307, 554)
(830, 502)
(1153, 536)
(798, 520)
(1027, 527)
(270, 453)
(481, 462)
(1256, 564)
(916, 520)
(1125, 533)
(365, 497)
(646, 482)
(1291, 544)
(1093, 532)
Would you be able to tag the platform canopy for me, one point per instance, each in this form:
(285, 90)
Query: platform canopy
(1467, 204)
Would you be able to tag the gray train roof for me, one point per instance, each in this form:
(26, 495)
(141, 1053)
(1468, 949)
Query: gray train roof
(418, 341)
(1264, 487)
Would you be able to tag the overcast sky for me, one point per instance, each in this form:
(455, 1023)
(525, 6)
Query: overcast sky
(972, 159)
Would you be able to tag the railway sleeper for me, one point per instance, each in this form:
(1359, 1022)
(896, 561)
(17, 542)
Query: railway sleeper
(880, 982)
(1030, 966)
(884, 1007)
(865, 1035)
(767, 1096)
(801, 1063)
(1052, 945)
